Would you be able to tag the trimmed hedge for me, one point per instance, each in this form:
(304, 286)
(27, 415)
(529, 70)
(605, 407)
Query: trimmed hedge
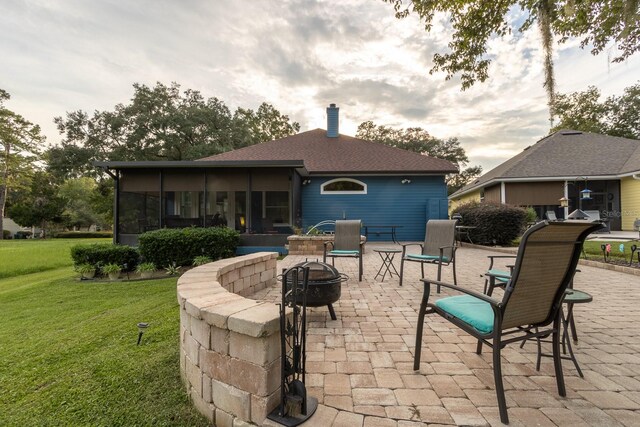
(496, 224)
(101, 254)
(167, 246)
(6, 234)
(83, 234)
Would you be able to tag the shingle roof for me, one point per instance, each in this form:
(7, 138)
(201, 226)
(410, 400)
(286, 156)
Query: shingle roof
(567, 153)
(343, 154)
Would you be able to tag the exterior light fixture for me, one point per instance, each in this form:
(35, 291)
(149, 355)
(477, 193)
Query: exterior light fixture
(242, 221)
(564, 202)
(142, 326)
(406, 181)
(585, 194)
(306, 182)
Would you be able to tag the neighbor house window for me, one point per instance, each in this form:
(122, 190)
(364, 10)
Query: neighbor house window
(344, 186)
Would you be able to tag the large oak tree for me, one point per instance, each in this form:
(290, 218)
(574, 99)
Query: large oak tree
(597, 23)
(161, 123)
(20, 142)
(420, 141)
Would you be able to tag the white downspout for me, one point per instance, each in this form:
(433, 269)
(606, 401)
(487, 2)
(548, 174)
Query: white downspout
(503, 193)
(566, 196)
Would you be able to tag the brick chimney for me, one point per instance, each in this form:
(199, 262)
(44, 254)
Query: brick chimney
(332, 121)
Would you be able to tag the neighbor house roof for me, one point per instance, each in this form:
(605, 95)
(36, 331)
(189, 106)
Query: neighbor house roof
(566, 154)
(344, 155)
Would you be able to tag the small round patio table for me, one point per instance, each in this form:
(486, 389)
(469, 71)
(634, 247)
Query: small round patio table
(571, 297)
(387, 255)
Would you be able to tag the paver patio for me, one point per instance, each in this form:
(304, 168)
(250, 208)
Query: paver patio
(360, 367)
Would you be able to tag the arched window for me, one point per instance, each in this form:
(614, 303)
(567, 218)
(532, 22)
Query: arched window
(343, 186)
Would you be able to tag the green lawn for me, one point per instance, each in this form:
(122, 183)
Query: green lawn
(34, 255)
(68, 353)
(593, 250)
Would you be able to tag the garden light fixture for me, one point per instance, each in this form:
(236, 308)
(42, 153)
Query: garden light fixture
(142, 326)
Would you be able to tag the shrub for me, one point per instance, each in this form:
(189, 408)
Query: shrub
(101, 254)
(496, 223)
(201, 260)
(180, 247)
(145, 267)
(23, 234)
(83, 234)
(111, 268)
(532, 216)
(6, 234)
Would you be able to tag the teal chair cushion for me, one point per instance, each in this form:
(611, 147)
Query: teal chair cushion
(344, 252)
(469, 309)
(500, 275)
(415, 257)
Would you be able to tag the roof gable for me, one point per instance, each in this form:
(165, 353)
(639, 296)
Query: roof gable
(567, 153)
(344, 154)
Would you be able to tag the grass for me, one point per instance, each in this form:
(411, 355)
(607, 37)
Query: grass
(69, 356)
(19, 257)
(594, 251)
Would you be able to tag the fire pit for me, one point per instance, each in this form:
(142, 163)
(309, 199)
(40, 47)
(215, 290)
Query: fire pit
(324, 285)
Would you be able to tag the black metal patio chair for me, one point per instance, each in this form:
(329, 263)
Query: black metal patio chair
(439, 248)
(530, 308)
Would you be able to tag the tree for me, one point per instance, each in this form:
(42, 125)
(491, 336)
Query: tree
(19, 145)
(616, 116)
(420, 141)
(161, 123)
(39, 204)
(596, 22)
(77, 194)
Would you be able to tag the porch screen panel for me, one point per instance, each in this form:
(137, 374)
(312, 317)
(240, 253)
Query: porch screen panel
(226, 198)
(183, 198)
(139, 204)
(271, 198)
(534, 193)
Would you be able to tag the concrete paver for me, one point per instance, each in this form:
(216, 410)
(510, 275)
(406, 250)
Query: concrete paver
(360, 366)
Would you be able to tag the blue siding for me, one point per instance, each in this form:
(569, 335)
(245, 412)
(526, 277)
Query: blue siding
(387, 202)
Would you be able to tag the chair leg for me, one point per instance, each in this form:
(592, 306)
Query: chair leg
(455, 279)
(421, 314)
(439, 275)
(360, 268)
(557, 359)
(497, 375)
(479, 347)
(401, 269)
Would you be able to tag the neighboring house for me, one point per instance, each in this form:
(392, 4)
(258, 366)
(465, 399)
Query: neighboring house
(562, 165)
(11, 226)
(265, 189)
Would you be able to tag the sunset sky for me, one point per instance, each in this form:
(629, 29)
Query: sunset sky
(299, 55)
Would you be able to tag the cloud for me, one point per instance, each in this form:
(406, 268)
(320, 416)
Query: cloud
(299, 55)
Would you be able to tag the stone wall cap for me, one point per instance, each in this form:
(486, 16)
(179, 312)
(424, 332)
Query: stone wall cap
(260, 321)
(218, 315)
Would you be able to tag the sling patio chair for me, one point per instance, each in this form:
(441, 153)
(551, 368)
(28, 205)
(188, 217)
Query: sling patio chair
(346, 243)
(438, 248)
(530, 308)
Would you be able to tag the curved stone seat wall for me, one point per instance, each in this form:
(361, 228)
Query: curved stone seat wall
(229, 344)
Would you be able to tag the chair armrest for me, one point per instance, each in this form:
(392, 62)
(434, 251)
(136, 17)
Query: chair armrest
(501, 256)
(406, 245)
(327, 243)
(478, 295)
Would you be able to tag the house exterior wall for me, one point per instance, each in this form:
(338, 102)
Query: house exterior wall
(534, 193)
(387, 202)
(474, 196)
(492, 194)
(630, 202)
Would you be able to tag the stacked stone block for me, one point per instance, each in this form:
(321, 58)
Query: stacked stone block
(230, 345)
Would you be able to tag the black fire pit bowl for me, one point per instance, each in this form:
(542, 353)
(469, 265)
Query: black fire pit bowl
(323, 287)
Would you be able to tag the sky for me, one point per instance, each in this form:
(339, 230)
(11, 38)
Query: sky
(299, 55)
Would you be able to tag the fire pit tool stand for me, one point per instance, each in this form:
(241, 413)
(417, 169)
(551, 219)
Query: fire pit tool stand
(295, 406)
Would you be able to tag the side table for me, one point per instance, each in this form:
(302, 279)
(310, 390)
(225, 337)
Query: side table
(572, 296)
(387, 255)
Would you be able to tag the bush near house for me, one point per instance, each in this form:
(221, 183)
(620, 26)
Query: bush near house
(83, 234)
(496, 223)
(6, 234)
(100, 254)
(179, 247)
